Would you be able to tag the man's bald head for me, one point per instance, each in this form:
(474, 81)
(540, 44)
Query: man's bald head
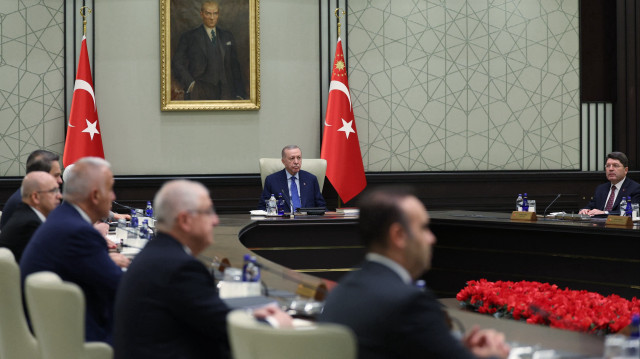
(40, 190)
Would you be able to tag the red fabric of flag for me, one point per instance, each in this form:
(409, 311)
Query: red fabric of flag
(340, 145)
(84, 137)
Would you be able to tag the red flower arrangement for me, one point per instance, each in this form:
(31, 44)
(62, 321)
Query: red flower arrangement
(544, 303)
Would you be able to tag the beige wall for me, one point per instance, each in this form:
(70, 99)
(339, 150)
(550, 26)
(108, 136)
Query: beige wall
(140, 139)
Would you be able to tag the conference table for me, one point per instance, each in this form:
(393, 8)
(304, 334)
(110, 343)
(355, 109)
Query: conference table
(320, 249)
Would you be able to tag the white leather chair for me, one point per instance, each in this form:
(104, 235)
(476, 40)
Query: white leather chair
(57, 310)
(315, 166)
(16, 341)
(251, 339)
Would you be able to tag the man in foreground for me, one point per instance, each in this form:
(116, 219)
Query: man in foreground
(608, 195)
(301, 187)
(69, 245)
(167, 305)
(391, 317)
(38, 160)
(40, 195)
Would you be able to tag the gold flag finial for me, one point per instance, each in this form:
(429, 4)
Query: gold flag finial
(337, 14)
(84, 19)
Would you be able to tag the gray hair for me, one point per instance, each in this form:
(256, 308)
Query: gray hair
(83, 178)
(290, 147)
(175, 197)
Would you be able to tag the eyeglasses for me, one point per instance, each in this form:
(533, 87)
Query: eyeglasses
(614, 165)
(54, 190)
(207, 212)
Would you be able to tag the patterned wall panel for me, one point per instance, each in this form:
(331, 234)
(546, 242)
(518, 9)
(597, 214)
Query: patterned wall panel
(461, 85)
(31, 80)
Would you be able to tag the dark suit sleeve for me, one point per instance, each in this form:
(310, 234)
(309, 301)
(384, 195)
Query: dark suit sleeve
(319, 200)
(180, 61)
(421, 331)
(236, 72)
(195, 301)
(634, 192)
(266, 194)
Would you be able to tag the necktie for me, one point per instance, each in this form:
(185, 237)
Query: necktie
(611, 198)
(213, 37)
(295, 198)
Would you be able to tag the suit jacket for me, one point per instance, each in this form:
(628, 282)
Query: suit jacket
(194, 60)
(167, 306)
(390, 318)
(10, 207)
(310, 195)
(629, 188)
(18, 231)
(69, 246)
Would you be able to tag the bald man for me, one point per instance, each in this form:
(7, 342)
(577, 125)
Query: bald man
(40, 195)
(68, 244)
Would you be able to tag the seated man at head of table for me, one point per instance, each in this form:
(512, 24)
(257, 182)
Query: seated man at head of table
(38, 160)
(608, 195)
(167, 305)
(40, 195)
(391, 317)
(69, 245)
(301, 189)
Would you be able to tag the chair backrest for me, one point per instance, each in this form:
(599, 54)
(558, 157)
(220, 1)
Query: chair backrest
(315, 166)
(57, 312)
(251, 339)
(16, 341)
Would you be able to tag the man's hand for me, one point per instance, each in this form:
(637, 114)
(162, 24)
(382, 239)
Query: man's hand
(486, 343)
(591, 212)
(119, 259)
(118, 216)
(275, 316)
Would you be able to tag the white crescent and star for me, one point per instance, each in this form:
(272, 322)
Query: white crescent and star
(339, 86)
(84, 85)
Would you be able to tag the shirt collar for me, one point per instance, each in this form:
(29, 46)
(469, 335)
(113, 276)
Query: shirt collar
(289, 175)
(619, 184)
(39, 214)
(391, 264)
(83, 214)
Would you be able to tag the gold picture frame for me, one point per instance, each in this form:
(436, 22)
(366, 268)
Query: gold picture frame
(182, 24)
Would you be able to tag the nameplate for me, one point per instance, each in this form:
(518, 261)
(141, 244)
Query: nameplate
(619, 221)
(523, 216)
(318, 292)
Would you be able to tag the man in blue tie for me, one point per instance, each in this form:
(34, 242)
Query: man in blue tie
(299, 188)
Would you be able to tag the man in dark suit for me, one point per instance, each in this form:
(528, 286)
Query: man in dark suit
(40, 195)
(69, 245)
(608, 195)
(206, 60)
(390, 316)
(301, 187)
(167, 305)
(38, 160)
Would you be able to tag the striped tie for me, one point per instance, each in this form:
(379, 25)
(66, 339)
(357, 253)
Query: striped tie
(611, 198)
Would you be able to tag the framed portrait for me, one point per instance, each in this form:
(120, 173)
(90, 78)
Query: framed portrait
(210, 55)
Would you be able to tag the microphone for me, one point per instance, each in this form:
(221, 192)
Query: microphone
(138, 210)
(286, 198)
(552, 202)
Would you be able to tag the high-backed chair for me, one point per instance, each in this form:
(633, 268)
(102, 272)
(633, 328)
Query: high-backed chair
(57, 310)
(315, 166)
(251, 339)
(16, 341)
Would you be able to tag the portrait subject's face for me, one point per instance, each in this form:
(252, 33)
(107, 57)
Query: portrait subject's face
(616, 171)
(292, 160)
(209, 15)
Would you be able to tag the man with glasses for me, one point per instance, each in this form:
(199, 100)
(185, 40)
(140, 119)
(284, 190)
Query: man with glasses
(40, 195)
(167, 305)
(608, 195)
(38, 160)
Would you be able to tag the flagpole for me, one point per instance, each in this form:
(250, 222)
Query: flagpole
(84, 19)
(336, 13)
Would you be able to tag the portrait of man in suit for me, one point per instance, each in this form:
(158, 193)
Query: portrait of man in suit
(209, 61)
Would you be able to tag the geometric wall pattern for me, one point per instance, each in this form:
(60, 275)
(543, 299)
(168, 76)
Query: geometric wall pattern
(465, 85)
(31, 81)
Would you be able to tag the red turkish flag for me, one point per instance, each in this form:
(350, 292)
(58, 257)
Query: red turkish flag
(340, 145)
(83, 133)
